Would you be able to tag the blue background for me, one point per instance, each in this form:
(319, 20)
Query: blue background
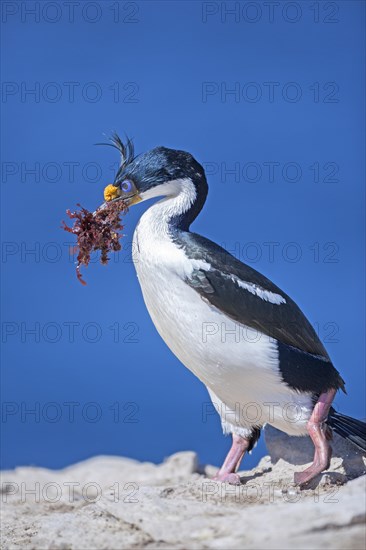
(161, 54)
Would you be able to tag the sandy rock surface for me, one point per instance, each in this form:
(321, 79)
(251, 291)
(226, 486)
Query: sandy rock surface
(111, 502)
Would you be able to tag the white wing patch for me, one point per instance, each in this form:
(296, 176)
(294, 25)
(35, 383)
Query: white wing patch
(266, 295)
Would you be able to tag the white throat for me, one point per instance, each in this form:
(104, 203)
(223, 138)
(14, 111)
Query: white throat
(153, 243)
(179, 195)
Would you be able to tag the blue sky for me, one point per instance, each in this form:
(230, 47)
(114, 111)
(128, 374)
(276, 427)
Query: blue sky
(271, 103)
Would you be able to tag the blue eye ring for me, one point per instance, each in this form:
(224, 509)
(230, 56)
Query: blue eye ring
(126, 186)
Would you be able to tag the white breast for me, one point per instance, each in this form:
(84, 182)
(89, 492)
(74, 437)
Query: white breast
(238, 365)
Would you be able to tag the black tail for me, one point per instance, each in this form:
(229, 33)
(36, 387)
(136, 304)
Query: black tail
(348, 428)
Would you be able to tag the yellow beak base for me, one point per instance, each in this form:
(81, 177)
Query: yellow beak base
(111, 192)
(134, 200)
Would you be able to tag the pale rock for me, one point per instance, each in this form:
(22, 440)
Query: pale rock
(123, 503)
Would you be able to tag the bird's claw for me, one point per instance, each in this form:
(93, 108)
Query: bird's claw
(232, 479)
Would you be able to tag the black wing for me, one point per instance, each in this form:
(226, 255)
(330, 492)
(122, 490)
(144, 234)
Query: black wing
(248, 297)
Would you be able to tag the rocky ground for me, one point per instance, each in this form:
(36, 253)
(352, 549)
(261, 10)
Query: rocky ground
(118, 503)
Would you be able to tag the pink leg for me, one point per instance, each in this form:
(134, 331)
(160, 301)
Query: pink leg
(320, 435)
(228, 470)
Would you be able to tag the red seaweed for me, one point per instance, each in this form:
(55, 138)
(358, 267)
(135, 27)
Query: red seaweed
(100, 230)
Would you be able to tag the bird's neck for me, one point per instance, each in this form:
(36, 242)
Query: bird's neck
(178, 209)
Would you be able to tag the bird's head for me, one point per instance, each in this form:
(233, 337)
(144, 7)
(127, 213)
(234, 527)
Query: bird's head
(161, 172)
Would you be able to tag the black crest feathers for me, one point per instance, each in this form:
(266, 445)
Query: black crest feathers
(127, 152)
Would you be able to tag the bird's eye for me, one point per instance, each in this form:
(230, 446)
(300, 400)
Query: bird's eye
(126, 186)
